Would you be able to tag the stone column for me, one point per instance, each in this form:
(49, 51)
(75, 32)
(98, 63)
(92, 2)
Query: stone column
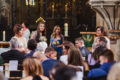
(108, 15)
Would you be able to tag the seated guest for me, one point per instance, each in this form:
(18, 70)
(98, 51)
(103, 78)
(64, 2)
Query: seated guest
(66, 47)
(32, 45)
(13, 53)
(79, 43)
(62, 72)
(49, 52)
(75, 60)
(40, 56)
(41, 46)
(106, 61)
(33, 69)
(93, 59)
(101, 42)
(101, 32)
(114, 73)
(48, 61)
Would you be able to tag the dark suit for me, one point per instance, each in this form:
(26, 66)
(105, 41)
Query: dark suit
(13, 55)
(84, 51)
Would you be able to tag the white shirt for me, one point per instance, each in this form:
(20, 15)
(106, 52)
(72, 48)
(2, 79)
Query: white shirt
(79, 73)
(21, 44)
(64, 59)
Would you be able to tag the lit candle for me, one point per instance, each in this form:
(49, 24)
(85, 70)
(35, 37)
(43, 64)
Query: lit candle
(53, 6)
(3, 35)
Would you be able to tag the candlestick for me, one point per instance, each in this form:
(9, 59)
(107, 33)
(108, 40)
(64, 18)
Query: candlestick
(66, 6)
(53, 9)
(3, 35)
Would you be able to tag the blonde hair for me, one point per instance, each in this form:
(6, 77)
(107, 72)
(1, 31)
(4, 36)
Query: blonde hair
(54, 31)
(32, 66)
(114, 73)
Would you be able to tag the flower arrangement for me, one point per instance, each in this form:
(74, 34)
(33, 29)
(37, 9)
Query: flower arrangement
(55, 42)
(43, 38)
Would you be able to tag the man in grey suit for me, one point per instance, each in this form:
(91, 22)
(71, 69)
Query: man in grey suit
(79, 43)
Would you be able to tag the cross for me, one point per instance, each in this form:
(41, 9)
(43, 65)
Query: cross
(41, 2)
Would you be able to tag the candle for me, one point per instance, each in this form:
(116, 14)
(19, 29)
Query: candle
(66, 29)
(53, 6)
(3, 35)
(53, 9)
(66, 7)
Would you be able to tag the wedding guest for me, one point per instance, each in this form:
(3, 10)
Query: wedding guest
(25, 26)
(57, 39)
(79, 42)
(93, 59)
(33, 69)
(32, 48)
(106, 61)
(13, 53)
(100, 32)
(75, 60)
(21, 41)
(50, 61)
(40, 34)
(50, 52)
(63, 72)
(66, 46)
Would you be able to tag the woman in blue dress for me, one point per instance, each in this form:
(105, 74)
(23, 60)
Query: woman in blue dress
(57, 39)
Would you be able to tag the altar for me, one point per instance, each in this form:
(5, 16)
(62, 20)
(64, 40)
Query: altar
(4, 43)
(88, 38)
